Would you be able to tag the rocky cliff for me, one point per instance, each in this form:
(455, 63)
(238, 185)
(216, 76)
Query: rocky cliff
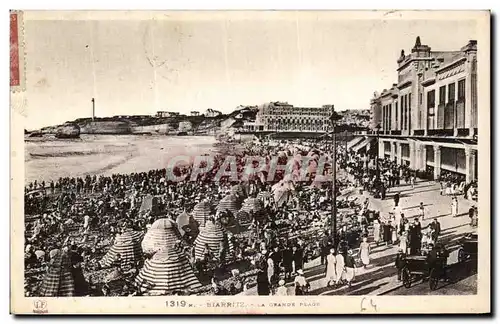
(68, 131)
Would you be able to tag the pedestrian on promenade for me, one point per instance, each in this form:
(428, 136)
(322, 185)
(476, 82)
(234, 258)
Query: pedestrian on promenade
(263, 283)
(282, 290)
(396, 199)
(364, 251)
(412, 181)
(387, 232)
(403, 242)
(331, 275)
(339, 267)
(400, 263)
(421, 210)
(454, 207)
(350, 268)
(376, 231)
(301, 284)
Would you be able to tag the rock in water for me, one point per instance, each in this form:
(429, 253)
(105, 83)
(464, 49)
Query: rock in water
(68, 131)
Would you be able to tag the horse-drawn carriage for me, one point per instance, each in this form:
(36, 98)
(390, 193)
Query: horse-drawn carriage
(419, 266)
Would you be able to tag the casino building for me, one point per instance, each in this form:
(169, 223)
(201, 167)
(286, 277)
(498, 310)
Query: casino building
(428, 119)
(283, 117)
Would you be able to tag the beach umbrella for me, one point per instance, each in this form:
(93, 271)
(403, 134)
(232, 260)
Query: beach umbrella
(58, 281)
(126, 250)
(264, 195)
(238, 191)
(169, 270)
(187, 224)
(229, 203)
(201, 212)
(163, 234)
(252, 204)
(215, 236)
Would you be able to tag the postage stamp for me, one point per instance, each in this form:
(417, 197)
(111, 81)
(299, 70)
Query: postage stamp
(17, 67)
(250, 162)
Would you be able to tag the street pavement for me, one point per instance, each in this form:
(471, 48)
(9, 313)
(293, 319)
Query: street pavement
(380, 277)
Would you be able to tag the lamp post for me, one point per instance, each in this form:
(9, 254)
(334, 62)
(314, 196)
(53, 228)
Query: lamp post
(377, 171)
(333, 119)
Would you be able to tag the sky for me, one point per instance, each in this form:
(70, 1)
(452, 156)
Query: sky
(181, 62)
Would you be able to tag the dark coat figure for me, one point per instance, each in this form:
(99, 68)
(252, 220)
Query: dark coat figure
(81, 286)
(396, 199)
(415, 239)
(382, 192)
(262, 284)
(277, 257)
(288, 261)
(298, 258)
(387, 233)
(436, 229)
(400, 263)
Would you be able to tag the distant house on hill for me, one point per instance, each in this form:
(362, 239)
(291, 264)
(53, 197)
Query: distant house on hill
(165, 114)
(195, 113)
(212, 113)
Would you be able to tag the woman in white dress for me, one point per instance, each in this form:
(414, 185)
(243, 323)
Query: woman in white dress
(339, 268)
(376, 231)
(364, 251)
(331, 275)
(454, 207)
(403, 242)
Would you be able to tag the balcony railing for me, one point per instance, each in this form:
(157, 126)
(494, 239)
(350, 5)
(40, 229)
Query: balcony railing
(440, 132)
(395, 132)
(418, 132)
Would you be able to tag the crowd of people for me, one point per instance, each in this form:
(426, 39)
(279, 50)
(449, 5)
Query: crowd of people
(73, 222)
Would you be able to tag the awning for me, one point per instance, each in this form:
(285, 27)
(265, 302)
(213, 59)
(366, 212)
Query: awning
(354, 141)
(363, 144)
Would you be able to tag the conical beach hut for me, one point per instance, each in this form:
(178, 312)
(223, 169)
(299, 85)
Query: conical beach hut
(126, 250)
(169, 270)
(201, 212)
(163, 234)
(213, 235)
(229, 203)
(252, 205)
(58, 281)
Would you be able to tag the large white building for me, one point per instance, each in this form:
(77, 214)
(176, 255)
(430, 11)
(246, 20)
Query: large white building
(428, 119)
(283, 117)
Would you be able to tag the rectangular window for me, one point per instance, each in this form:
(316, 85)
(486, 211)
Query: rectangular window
(442, 95)
(451, 92)
(431, 101)
(461, 89)
(396, 113)
(420, 98)
(409, 111)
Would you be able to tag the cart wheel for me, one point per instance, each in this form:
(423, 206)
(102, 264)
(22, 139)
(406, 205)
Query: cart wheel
(461, 255)
(433, 279)
(406, 278)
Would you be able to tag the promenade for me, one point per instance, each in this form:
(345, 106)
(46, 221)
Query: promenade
(381, 276)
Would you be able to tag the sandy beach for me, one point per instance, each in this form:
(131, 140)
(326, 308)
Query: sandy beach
(107, 154)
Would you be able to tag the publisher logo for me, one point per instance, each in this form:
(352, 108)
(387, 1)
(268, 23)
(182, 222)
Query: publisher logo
(40, 306)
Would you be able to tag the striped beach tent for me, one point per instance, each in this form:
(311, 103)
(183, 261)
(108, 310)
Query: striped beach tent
(169, 270)
(163, 234)
(229, 203)
(252, 204)
(126, 250)
(215, 236)
(201, 212)
(58, 281)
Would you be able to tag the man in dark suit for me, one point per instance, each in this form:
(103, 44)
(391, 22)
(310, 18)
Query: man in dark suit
(436, 229)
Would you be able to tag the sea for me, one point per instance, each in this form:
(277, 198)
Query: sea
(49, 159)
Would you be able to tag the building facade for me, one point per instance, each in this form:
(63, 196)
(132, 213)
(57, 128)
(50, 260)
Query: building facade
(283, 117)
(428, 119)
(212, 113)
(166, 114)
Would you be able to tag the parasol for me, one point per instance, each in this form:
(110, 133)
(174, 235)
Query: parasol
(229, 203)
(163, 234)
(252, 204)
(214, 235)
(167, 271)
